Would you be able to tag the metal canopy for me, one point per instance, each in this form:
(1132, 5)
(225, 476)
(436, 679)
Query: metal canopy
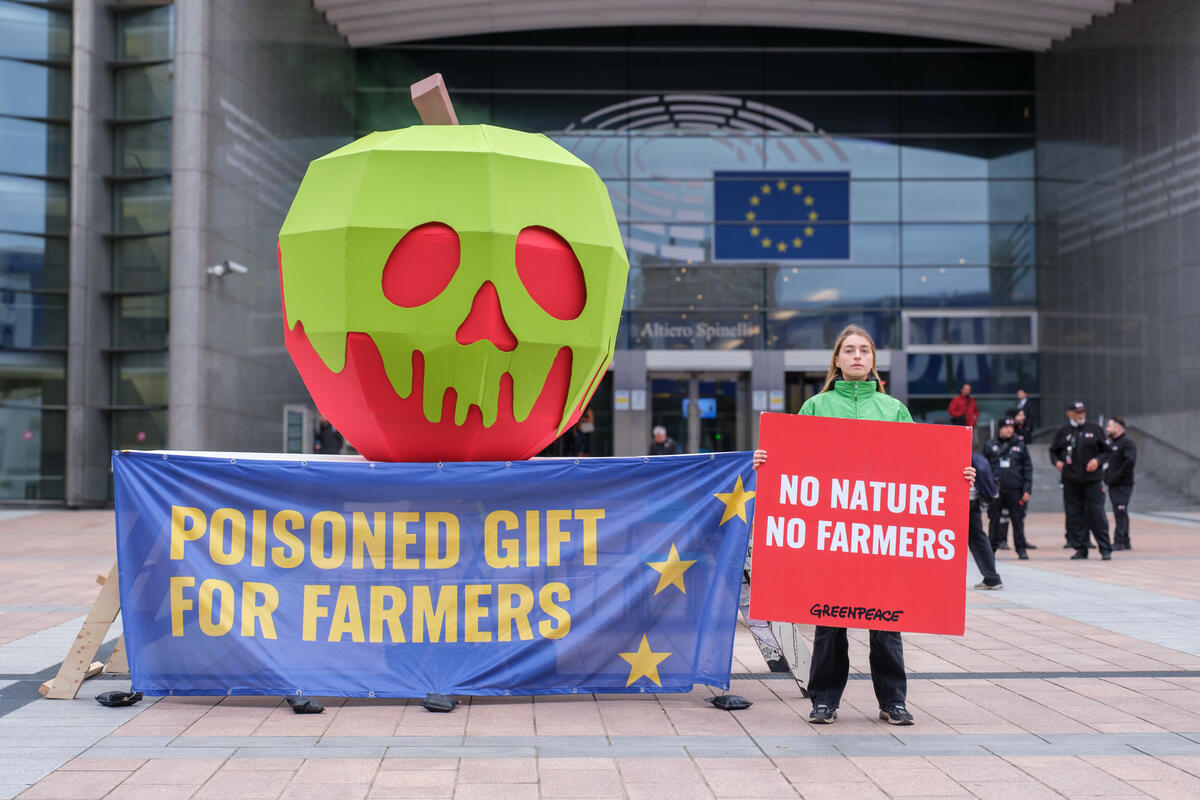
(1021, 24)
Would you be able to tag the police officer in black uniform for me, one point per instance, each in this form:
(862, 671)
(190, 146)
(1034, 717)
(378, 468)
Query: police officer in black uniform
(1122, 454)
(1010, 462)
(1079, 452)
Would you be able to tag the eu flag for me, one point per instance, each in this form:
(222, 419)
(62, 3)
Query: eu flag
(782, 216)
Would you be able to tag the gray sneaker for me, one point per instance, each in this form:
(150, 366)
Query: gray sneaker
(989, 586)
(822, 715)
(896, 714)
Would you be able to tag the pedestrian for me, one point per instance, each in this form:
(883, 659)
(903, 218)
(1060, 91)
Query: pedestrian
(1078, 452)
(1023, 404)
(1009, 459)
(963, 408)
(583, 432)
(1119, 477)
(663, 445)
(977, 541)
(853, 390)
(1021, 427)
(327, 440)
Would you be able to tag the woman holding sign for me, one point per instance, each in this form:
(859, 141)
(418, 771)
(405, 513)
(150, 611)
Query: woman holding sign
(854, 390)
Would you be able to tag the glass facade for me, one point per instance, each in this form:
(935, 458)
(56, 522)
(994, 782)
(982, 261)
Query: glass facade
(141, 224)
(896, 175)
(35, 141)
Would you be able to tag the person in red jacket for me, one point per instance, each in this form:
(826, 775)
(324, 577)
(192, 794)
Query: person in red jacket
(963, 409)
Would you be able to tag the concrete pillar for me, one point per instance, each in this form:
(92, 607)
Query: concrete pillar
(89, 316)
(693, 417)
(767, 375)
(187, 392)
(631, 427)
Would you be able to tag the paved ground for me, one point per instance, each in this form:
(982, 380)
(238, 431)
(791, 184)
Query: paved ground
(1078, 679)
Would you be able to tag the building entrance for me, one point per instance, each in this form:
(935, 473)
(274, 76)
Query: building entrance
(703, 412)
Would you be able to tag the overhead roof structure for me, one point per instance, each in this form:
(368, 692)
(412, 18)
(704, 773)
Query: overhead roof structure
(1022, 24)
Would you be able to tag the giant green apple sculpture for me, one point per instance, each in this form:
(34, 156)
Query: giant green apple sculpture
(451, 293)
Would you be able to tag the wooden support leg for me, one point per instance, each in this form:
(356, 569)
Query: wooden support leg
(118, 662)
(78, 664)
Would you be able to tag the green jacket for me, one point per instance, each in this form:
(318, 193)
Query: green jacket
(856, 400)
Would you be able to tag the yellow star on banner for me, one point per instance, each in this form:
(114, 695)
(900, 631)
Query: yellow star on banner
(812, 215)
(644, 663)
(808, 201)
(797, 242)
(750, 215)
(754, 231)
(808, 231)
(766, 242)
(754, 200)
(670, 572)
(735, 501)
(781, 247)
(766, 188)
(782, 184)
(797, 188)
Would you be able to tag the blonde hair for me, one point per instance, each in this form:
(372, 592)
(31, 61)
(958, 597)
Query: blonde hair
(834, 374)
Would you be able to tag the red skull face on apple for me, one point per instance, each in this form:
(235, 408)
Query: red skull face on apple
(451, 293)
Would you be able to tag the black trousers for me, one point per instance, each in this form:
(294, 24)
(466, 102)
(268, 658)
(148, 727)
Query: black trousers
(1119, 496)
(980, 547)
(1010, 499)
(1084, 504)
(830, 667)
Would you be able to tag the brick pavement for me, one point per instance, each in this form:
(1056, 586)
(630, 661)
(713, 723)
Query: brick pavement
(1078, 679)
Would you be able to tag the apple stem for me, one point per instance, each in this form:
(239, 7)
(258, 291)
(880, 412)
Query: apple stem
(432, 101)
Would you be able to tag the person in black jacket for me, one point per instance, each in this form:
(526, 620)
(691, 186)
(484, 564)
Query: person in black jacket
(1078, 452)
(1009, 459)
(1119, 477)
(982, 491)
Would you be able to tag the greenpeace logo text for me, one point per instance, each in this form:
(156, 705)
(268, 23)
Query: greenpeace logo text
(820, 610)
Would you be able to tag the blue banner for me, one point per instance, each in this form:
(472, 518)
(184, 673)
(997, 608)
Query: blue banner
(250, 575)
(782, 216)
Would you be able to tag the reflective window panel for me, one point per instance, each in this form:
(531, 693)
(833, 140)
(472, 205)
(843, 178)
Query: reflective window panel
(139, 379)
(803, 330)
(144, 91)
(142, 148)
(694, 288)
(32, 320)
(34, 90)
(140, 321)
(33, 262)
(1016, 330)
(142, 263)
(139, 430)
(142, 206)
(31, 378)
(146, 34)
(32, 205)
(33, 443)
(40, 34)
(968, 287)
(35, 148)
(988, 373)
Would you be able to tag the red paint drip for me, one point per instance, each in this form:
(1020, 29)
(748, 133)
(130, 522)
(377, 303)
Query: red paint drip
(362, 404)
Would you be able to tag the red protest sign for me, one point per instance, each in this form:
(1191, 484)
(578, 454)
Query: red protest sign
(861, 524)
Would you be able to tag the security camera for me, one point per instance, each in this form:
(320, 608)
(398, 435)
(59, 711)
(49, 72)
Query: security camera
(226, 267)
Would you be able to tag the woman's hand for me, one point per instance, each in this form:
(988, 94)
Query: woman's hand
(760, 457)
(969, 474)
